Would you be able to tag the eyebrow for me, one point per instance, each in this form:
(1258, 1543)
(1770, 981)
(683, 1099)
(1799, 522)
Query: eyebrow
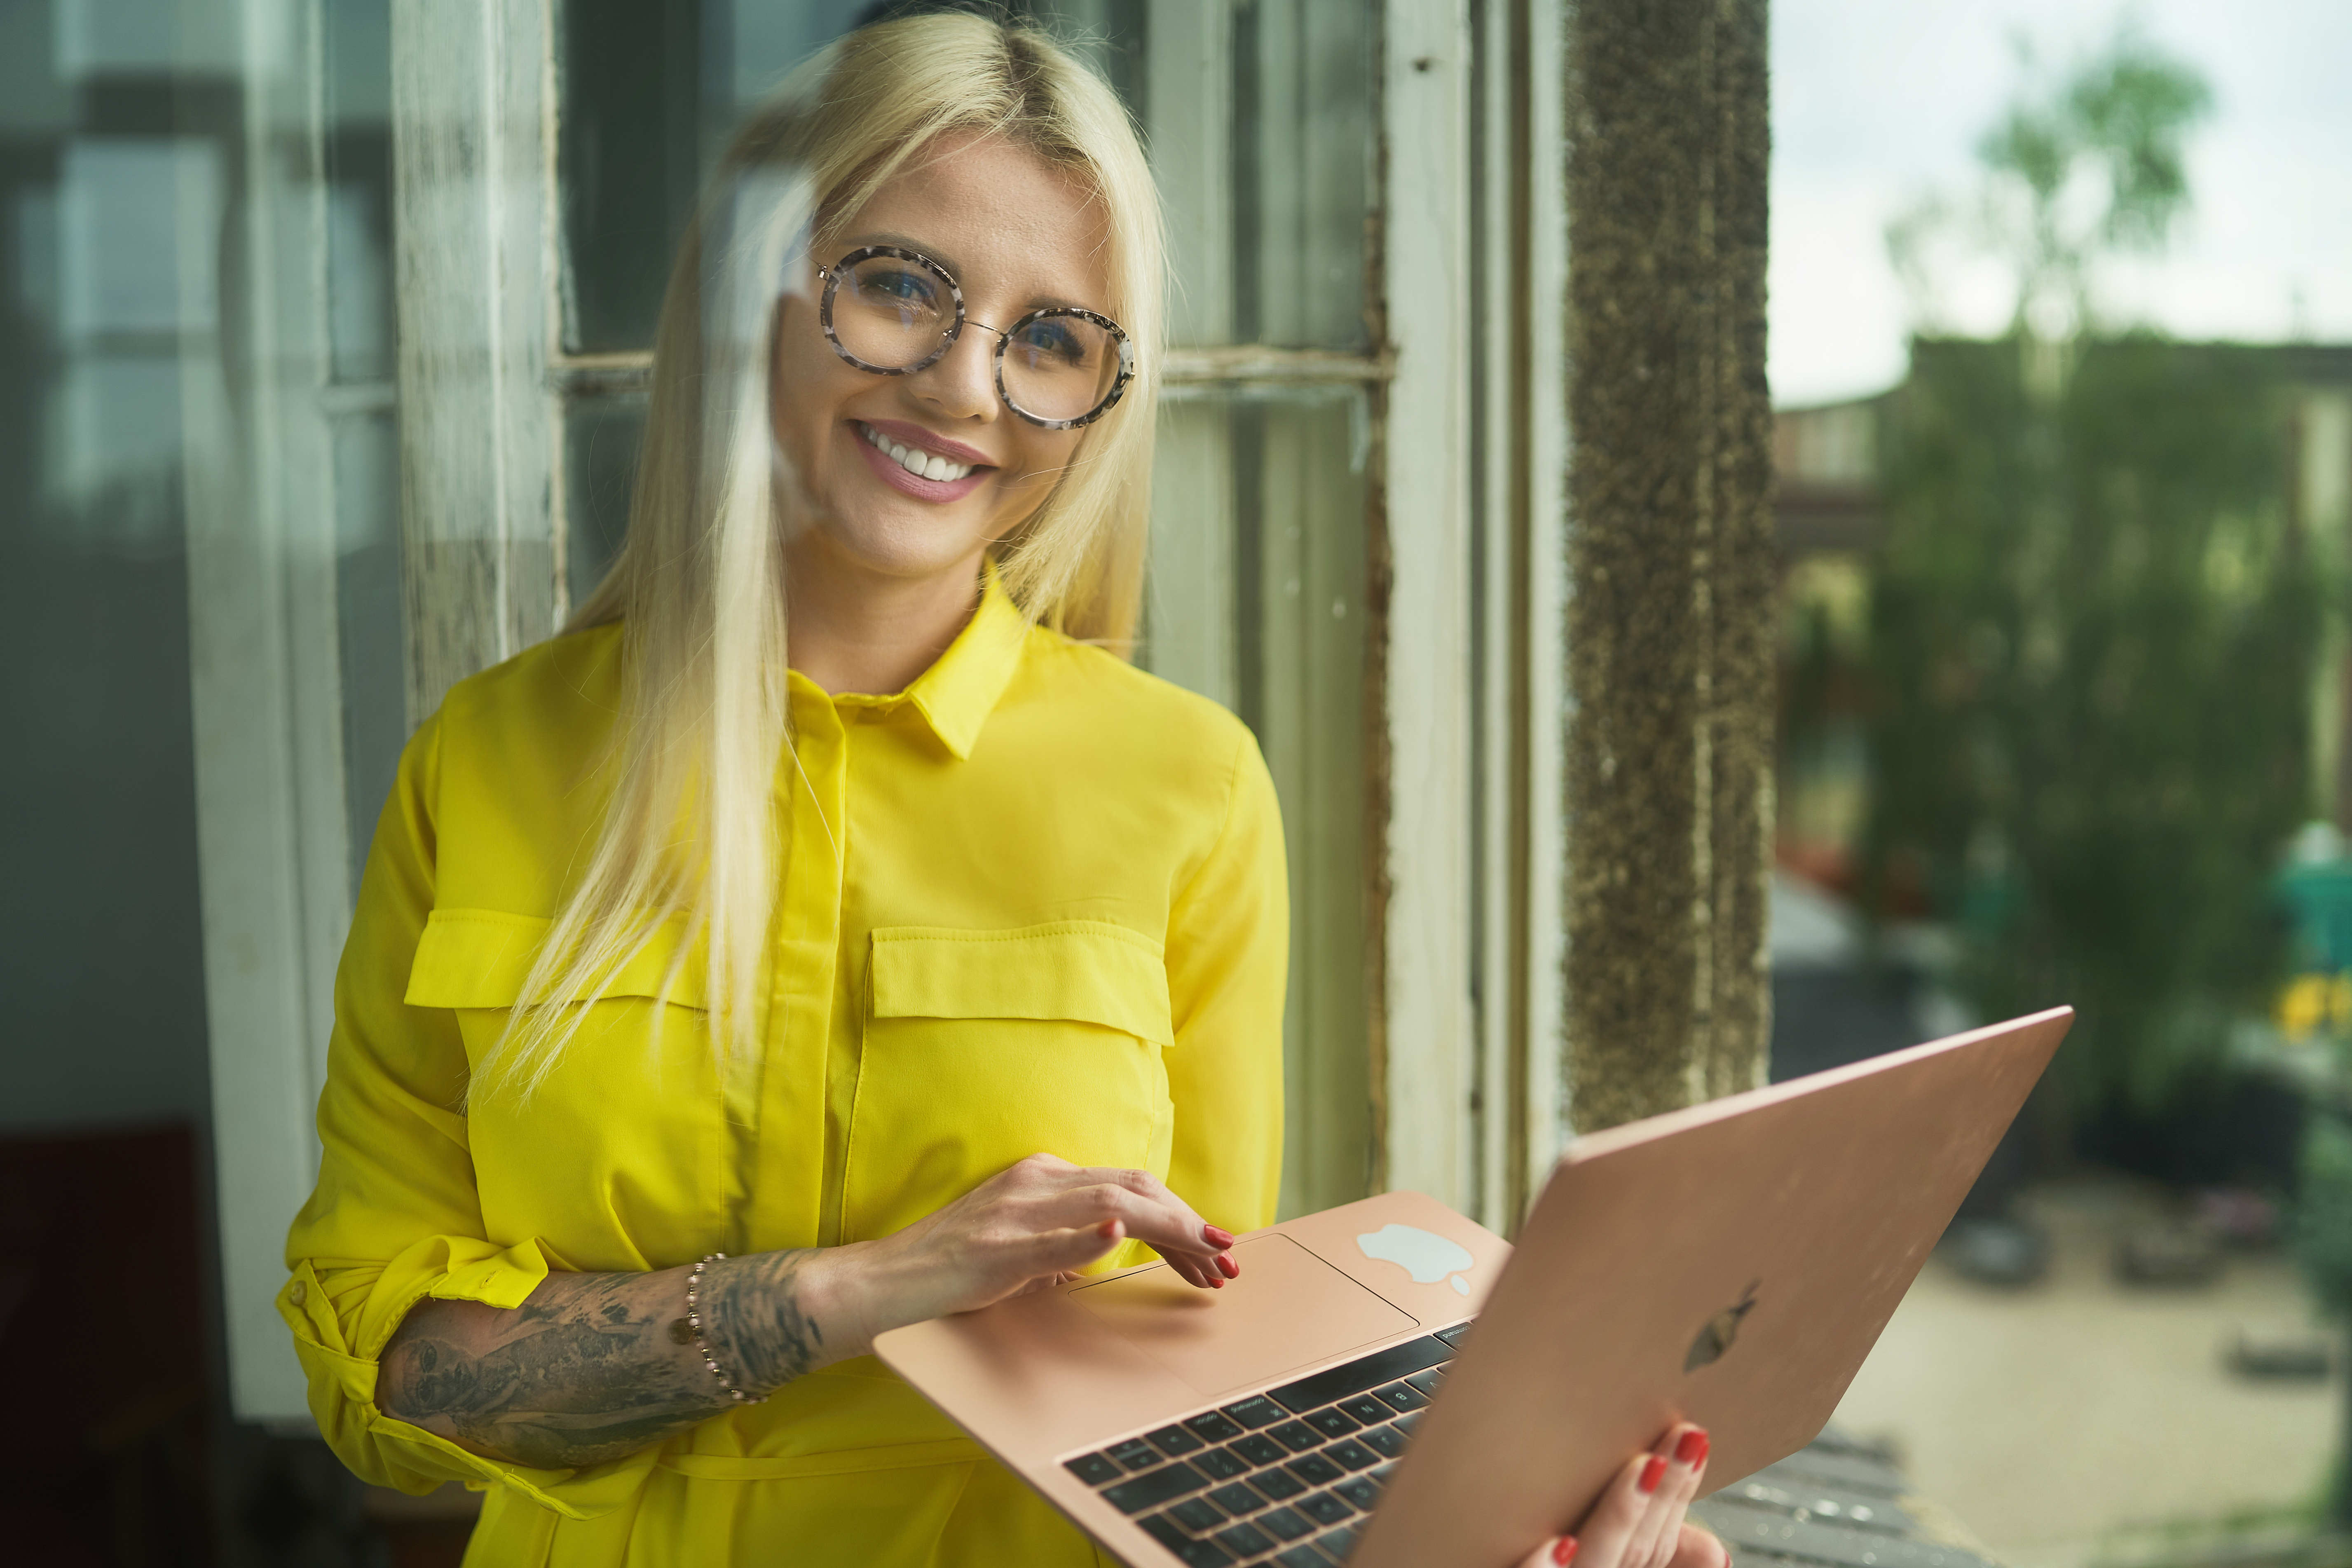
(1034, 303)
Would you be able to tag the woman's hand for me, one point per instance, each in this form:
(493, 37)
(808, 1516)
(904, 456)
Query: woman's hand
(1638, 1522)
(1025, 1228)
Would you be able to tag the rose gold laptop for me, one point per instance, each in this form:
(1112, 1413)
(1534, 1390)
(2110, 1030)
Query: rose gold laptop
(1731, 1264)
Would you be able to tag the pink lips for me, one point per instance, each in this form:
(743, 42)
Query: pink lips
(897, 479)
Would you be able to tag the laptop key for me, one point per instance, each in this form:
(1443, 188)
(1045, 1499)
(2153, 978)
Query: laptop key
(1366, 1408)
(1260, 1450)
(1191, 1552)
(1386, 1440)
(1363, 1373)
(1135, 1454)
(1256, 1411)
(1285, 1522)
(1352, 1453)
(1217, 1465)
(1198, 1515)
(1403, 1396)
(1277, 1484)
(1237, 1499)
(1331, 1422)
(1456, 1334)
(1361, 1491)
(1340, 1543)
(1407, 1421)
(1214, 1427)
(1427, 1382)
(1173, 1440)
(1302, 1557)
(1243, 1541)
(1297, 1435)
(1323, 1508)
(1315, 1470)
(1095, 1469)
(1149, 1491)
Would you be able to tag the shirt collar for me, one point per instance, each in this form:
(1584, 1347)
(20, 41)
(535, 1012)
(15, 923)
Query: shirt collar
(961, 689)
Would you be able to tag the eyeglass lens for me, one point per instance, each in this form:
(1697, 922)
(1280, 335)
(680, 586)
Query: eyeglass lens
(891, 313)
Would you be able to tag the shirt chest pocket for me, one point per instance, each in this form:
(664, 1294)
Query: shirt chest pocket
(984, 1047)
(625, 1126)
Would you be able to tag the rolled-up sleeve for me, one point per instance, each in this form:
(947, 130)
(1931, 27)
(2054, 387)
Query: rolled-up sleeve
(395, 1217)
(1228, 955)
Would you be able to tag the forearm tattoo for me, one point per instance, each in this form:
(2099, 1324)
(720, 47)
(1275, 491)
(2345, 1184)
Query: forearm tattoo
(594, 1366)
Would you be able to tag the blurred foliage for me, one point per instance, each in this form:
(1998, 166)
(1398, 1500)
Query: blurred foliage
(2091, 631)
(2091, 646)
(2079, 167)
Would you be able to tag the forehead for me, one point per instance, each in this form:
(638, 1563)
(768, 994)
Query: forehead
(1010, 225)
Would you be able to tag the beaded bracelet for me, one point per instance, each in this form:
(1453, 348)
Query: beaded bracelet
(694, 1324)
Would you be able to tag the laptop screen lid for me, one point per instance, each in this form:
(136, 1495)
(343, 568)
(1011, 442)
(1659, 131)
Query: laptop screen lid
(1731, 1264)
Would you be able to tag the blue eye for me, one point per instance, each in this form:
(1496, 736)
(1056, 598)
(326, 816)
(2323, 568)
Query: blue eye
(899, 286)
(1052, 339)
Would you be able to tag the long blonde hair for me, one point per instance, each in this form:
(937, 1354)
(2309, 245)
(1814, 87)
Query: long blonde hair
(692, 840)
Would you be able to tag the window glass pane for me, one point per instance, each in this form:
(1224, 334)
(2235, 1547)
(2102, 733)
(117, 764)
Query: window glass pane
(1302, 171)
(1256, 599)
(368, 618)
(650, 95)
(357, 47)
(600, 441)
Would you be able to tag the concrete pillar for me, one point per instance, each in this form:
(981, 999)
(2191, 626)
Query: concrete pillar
(1670, 556)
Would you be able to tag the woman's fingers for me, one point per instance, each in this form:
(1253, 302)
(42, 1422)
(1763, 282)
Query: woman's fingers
(1060, 1252)
(1698, 1547)
(1670, 1477)
(1638, 1520)
(1557, 1553)
(1154, 1217)
(1605, 1539)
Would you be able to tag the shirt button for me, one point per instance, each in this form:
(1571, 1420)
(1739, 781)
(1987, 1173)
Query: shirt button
(299, 1294)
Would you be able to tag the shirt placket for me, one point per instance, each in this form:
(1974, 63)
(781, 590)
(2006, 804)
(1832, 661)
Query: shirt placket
(787, 1162)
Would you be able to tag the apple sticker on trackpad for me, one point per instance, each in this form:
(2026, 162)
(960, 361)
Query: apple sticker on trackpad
(1425, 1254)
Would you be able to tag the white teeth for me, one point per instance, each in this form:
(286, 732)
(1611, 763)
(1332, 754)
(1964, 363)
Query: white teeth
(923, 465)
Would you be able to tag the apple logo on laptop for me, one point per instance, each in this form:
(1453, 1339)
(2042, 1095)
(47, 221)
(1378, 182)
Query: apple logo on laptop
(1716, 1336)
(1425, 1254)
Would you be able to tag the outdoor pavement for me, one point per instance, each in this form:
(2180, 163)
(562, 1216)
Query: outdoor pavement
(2069, 1422)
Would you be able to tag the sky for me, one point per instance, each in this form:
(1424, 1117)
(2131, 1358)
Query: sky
(1878, 102)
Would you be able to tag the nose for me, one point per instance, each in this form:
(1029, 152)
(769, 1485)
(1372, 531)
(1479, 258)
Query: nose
(962, 384)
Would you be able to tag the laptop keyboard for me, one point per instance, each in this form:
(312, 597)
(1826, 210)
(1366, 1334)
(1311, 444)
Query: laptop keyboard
(1288, 1477)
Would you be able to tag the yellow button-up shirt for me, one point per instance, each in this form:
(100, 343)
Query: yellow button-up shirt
(1035, 901)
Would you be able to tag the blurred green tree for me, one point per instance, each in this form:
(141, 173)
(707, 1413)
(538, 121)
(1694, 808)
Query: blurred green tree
(2092, 628)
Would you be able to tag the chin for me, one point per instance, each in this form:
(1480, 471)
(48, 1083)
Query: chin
(900, 547)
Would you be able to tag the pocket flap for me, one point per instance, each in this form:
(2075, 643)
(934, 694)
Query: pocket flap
(1090, 971)
(479, 958)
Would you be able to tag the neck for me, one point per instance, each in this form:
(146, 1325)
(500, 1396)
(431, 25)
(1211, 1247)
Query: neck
(852, 629)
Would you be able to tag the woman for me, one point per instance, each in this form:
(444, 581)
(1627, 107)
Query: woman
(703, 1015)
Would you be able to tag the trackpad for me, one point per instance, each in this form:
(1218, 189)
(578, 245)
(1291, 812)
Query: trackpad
(1287, 1309)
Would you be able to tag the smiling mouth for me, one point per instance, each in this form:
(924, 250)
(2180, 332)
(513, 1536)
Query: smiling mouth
(921, 464)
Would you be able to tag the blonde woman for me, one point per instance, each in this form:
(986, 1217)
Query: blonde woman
(829, 931)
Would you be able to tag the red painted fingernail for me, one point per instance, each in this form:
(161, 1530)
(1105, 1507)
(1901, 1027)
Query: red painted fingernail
(1227, 1267)
(1216, 1238)
(1654, 1472)
(1692, 1447)
(1563, 1550)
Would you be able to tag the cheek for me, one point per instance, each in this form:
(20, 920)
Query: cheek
(802, 392)
(1043, 458)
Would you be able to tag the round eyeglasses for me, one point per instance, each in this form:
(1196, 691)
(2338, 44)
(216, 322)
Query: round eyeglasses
(895, 311)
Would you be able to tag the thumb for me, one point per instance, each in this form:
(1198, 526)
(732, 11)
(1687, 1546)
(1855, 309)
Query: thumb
(1071, 1249)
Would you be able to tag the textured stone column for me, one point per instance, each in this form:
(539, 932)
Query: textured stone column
(1670, 556)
